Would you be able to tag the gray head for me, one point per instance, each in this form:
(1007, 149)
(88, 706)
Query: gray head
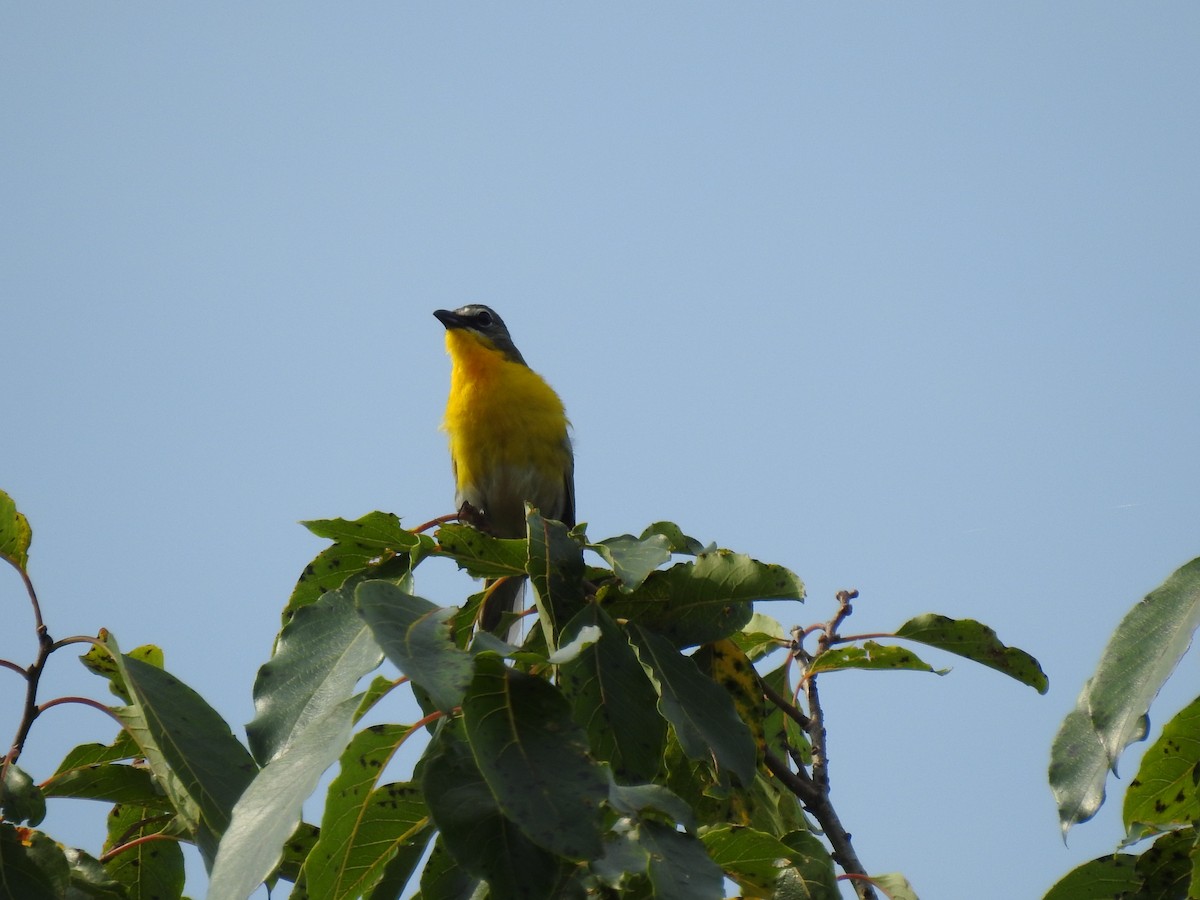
(484, 323)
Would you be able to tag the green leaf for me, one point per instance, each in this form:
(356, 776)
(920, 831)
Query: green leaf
(379, 688)
(1166, 868)
(417, 637)
(633, 559)
(268, 812)
(152, 870)
(99, 661)
(625, 861)
(811, 875)
(374, 544)
(613, 700)
(679, 867)
(32, 866)
(754, 859)
(90, 879)
(534, 758)
(486, 642)
(295, 854)
(15, 533)
(764, 866)
(91, 772)
(770, 807)
(1111, 709)
(362, 827)
(150, 654)
(443, 878)
(377, 531)
(1164, 792)
(706, 600)
(578, 642)
(482, 555)
(556, 572)
(123, 747)
(676, 539)
(870, 655)
(783, 733)
(635, 799)
(110, 782)
(975, 641)
(398, 871)
(194, 756)
(724, 663)
(761, 636)
(321, 655)
(481, 840)
(702, 713)
(1101, 879)
(1079, 767)
(709, 793)
(895, 886)
(20, 798)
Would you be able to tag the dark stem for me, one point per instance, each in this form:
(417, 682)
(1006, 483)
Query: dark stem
(787, 708)
(37, 607)
(813, 789)
(32, 676)
(816, 801)
(816, 730)
(816, 735)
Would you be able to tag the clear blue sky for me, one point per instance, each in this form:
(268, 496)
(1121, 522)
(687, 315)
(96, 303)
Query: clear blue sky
(903, 296)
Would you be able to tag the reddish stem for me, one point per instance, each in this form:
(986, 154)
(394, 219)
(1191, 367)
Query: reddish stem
(136, 842)
(440, 520)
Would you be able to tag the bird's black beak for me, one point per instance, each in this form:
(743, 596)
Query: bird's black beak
(449, 318)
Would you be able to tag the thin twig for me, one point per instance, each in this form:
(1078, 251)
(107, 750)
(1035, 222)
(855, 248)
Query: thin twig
(830, 631)
(798, 783)
(812, 787)
(136, 842)
(37, 607)
(20, 670)
(83, 701)
(78, 639)
(33, 675)
(440, 520)
(788, 709)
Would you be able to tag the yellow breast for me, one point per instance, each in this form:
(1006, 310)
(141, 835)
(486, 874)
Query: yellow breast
(508, 434)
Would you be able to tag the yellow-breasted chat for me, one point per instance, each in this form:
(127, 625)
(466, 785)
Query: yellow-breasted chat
(509, 441)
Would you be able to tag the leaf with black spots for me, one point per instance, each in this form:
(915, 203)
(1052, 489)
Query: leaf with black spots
(364, 827)
(870, 655)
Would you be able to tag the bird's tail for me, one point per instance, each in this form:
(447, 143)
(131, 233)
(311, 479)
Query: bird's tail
(505, 597)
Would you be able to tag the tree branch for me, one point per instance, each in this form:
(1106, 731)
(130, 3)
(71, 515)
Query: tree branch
(813, 789)
(32, 675)
(816, 801)
(788, 709)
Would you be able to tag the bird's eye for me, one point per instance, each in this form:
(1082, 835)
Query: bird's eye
(484, 319)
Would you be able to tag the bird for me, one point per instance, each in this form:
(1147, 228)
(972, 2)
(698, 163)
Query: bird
(509, 436)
